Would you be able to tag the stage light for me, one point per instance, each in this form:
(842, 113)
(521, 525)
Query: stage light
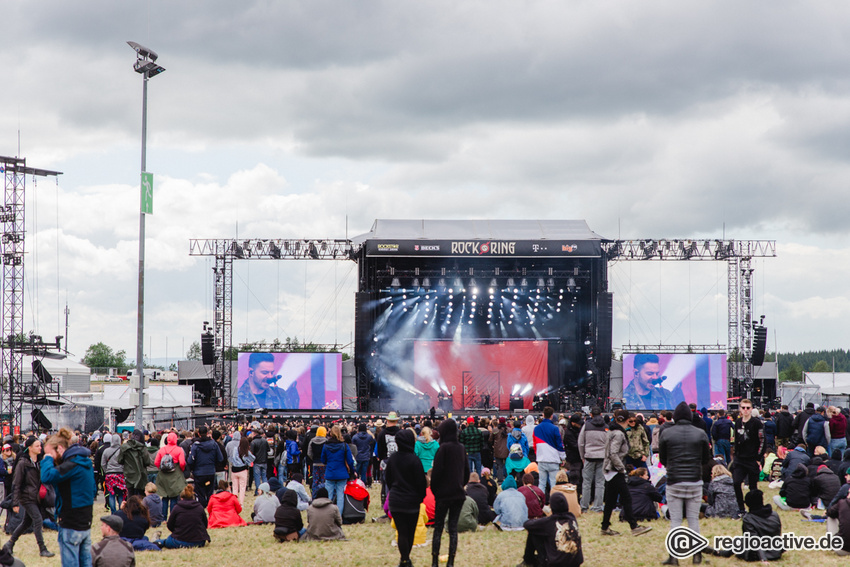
(474, 291)
(416, 282)
(395, 283)
(458, 283)
(550, 282)
(451, 291)
(492, 291)
(441, 282)
(523, 283)
(511, 282)
(493, 283)
(426, 283)
(540, 282)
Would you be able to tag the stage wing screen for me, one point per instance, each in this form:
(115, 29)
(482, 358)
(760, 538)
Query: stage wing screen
(471, 371)
(294, 381)
(661, 381)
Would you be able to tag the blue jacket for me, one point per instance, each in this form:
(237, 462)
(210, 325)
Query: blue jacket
(73, 479)
(293, 452)
(204, 456)
(770, 432)
(816, 432)
(511, 509)
(548, 444)
(722, 429)
(364, 443)
(335, 455)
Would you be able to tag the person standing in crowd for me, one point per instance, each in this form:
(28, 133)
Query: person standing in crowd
(115, 487)
(339, 466)
(170, 481)
(473, 442)
(837, 430)
(240, 458)
(68, 467)
(748, 451)
(405, 479)
(721, 435)
(592, 440)
(293, 454)
(135, 458)
(528, 431)
(549, 448)
(260, 450)
(365, 444)
(448, 477)
(784, 426)
(638, 442)
(683, 450)
(616, 449)
(800, 421)
(499, 434)
(571, 433)
(203, 457)
(26, 483)
(816, 431)
(315, 450)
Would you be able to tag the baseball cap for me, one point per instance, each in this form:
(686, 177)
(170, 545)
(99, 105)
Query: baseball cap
(113, 521)
(470, 419)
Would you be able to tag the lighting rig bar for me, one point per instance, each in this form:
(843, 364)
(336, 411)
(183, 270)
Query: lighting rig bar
(225, 251)
(688, 249)
(676, 349)
(274, 248)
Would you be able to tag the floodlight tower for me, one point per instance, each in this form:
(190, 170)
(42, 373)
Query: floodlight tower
(147, 67)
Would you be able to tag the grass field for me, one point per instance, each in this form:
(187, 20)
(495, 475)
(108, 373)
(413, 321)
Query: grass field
(369, 545)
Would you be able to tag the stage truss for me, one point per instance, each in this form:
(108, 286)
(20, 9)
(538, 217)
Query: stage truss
(738, 255)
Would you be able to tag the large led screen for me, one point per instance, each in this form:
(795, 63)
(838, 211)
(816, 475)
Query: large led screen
(294, 381)
(471, 371)
(662, 381)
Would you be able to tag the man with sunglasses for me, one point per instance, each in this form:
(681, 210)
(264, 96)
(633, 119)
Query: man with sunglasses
(747, 451)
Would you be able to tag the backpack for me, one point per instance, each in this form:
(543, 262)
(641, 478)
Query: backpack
(166, 463)
(515, 452)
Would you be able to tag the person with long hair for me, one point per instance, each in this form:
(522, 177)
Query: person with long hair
(426, 448)
(26, 483)
(137, 520)
(68, 467)
(240, 458)
(339, 466)
(187, 522)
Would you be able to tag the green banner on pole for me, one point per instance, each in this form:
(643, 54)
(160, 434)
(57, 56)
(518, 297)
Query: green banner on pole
(147, 193)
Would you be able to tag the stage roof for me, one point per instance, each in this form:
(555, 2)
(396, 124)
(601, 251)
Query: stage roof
(423, 229)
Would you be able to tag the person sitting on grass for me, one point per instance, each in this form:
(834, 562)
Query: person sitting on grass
(722, 502)
(534, 497)
(224, 508)
(554, 539)
(324, 521)
(296, 484)
(112, 550)
(265, 505)
(153, 503)
(136, 521)
(760, 521)
(795, 493)
(510, 507)
(825, 486)
(644, 495)
(489, 481)
(479, 493)
(841, 511)
(187, 523)
(288, 525)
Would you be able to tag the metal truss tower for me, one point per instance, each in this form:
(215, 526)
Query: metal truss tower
(738, 255)
(12, 250)
(225, 251)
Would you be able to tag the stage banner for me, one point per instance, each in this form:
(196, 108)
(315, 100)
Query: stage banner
(662, 381)
(300, 380)
(472, 371)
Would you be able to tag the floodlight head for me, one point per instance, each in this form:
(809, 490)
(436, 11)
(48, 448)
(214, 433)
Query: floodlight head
(143, 51)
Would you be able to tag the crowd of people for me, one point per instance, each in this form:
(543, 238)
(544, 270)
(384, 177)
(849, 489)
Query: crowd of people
(536, 474)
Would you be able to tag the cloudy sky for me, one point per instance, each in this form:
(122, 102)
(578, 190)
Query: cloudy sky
(311, 119)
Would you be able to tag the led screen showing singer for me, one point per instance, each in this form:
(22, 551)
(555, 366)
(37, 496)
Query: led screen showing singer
(661, 381)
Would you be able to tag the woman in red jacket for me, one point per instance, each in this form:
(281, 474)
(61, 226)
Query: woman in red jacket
(224, 508)
(170, 480)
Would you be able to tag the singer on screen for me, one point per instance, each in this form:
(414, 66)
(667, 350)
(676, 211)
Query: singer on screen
(259, 390)
(645, 392)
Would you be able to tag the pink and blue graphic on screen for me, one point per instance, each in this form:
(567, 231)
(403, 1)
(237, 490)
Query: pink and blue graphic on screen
(701, 379)
(313, 379)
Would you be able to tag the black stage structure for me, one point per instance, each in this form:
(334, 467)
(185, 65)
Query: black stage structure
(481, 282)
(484, 283)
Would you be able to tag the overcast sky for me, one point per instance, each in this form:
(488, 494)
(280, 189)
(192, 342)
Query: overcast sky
(284, 119)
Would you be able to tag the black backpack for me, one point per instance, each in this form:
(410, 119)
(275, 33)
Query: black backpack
(166, 464)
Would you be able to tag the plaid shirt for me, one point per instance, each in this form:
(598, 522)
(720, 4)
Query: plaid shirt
(472, 439)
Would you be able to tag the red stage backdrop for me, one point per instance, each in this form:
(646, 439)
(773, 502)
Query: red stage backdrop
(471, 371)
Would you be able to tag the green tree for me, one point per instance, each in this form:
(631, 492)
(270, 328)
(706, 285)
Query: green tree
(194, 352)
(100, 355)
(794, 373)
(821, 366)
(172, 367)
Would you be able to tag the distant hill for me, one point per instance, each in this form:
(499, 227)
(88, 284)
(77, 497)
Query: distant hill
(793, 364)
